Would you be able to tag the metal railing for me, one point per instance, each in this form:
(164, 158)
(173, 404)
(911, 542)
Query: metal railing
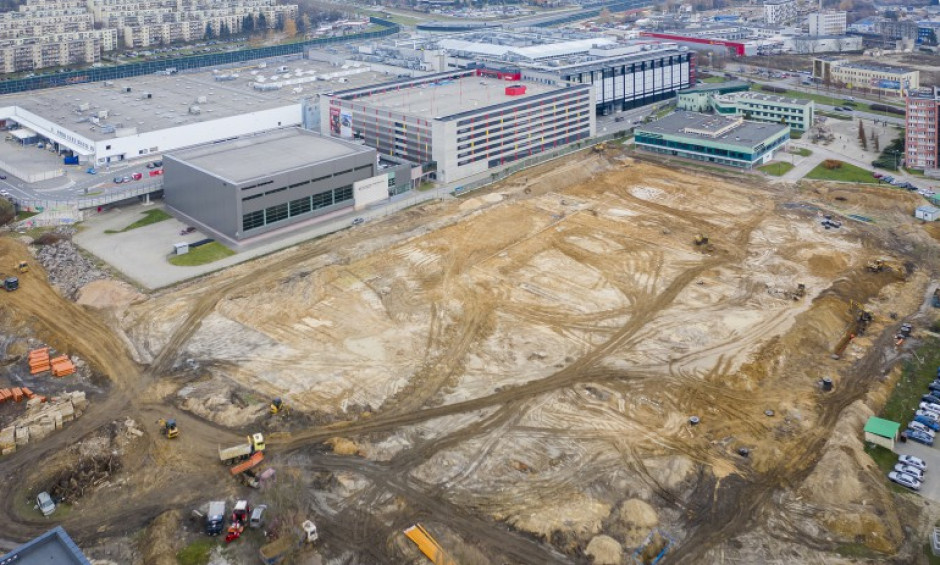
(189, 62)
(42, 204)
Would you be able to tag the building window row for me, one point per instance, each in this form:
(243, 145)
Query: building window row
(280, 212)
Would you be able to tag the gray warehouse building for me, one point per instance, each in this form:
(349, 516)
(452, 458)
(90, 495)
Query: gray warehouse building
(249, 186)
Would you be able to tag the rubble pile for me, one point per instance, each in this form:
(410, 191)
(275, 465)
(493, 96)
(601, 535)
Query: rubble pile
(68, 269)
(41, 419)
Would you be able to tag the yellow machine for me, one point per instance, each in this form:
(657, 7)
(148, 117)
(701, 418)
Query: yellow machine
(23, 267)
(279, 406)
(701, 239)
(169, 429)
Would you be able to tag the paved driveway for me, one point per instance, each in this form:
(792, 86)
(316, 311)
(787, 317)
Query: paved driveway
(930, 489)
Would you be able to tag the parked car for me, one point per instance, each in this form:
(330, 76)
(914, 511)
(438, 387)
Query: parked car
(933, 387)
(187, 230)
(257, 516)
(137, 176)
(3, 176)
(4, 193)
(929, 414)
(45, 503)
(918, 437)
(927, 405)
(127, 179)
(877, 175)
(929, 422)
(912, 471)
(887, 178)
(917, 426)
(358, 221)
(118, 180)
(912, 461)
(904, 480)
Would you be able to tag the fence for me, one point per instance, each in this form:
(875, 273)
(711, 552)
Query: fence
(538, 159)
(41, 205)
(190, 62)
(30, 177)
(61, 215)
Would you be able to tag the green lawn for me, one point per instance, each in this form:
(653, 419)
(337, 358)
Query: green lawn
(202, 255)
(918, 372)
(846, 173)
(150, 217)
(803, 152)
(777, 169)
(196, 553)
(715, 80)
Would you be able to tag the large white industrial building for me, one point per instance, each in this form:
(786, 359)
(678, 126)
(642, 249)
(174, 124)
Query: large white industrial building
(108, 122)
(625, 75)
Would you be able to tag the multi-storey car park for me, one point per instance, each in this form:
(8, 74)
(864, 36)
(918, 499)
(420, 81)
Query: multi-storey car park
(462, 123)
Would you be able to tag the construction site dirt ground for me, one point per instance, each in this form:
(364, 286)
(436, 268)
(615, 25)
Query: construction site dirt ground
(517, 370)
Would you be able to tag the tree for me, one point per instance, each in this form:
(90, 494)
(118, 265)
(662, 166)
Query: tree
(224, 31)
(279, 23)
(248, 24)
(208, 34)
(875, 144)
(290, 27)
(262, 23)
(862, 140)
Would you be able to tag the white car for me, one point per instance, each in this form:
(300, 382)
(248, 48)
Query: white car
(929, 414)
(44, 501)
(904, 480)
(912, 461)
(930, 406)
(912, 471)
(922, 428)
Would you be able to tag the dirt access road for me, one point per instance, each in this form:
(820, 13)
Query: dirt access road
(516, 369)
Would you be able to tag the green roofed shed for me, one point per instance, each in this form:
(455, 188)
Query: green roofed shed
(882, 432)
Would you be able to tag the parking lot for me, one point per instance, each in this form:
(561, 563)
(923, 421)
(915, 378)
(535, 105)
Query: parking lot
(930, 488)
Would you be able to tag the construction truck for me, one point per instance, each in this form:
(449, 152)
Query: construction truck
(242, 451)
(22, 267)
(11, 283)
(859, 320)
(285, 545)
(428, 545)
(169, 428)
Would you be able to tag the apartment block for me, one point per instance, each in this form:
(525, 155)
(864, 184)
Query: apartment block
(921, 140)
(830, 22)
(779, 11)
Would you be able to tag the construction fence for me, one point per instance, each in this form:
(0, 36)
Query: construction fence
(538, 159)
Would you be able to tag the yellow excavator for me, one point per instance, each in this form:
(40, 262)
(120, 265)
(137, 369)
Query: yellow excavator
(22, 267)
(278, 406)
(169, 428)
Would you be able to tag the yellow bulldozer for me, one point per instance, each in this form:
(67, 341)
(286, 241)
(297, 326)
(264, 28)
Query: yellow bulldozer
(885, 266)
(169, 428)
(22, 267)
(702, 242)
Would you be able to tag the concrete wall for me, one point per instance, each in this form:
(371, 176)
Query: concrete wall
(201, 196)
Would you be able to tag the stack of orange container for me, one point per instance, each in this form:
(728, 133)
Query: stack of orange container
(62, 366)
(39, 360)
(17, 394)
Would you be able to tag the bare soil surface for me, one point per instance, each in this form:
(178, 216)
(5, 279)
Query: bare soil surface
(516, 370)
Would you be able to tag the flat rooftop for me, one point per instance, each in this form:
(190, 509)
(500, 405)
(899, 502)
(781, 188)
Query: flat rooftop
(769, 98)
(54, 546)
(172, 96)
(448, 97)
(746, 135)
(243, 159)
(878, 67)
